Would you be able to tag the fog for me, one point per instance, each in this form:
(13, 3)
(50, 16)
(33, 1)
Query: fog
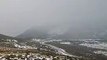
(16, 16)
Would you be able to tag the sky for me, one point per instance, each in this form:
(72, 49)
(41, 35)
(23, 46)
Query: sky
(16, 16)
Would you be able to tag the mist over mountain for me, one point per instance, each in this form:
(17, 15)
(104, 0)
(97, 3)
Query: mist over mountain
(87, 30)
(54, 19)
(16, 16)
(4, 37)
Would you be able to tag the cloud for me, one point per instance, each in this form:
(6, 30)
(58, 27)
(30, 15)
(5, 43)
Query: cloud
(17, 16)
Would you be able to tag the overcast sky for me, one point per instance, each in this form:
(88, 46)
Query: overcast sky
(16, 16)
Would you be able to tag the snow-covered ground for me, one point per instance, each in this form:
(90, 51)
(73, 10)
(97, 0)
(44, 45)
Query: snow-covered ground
(101, 52)
(65, 43)
(96, 44)
(58, 50)
(61, 51)
(24, 46)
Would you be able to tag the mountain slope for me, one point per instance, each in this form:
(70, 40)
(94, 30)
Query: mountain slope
(69, 34)
(33, 33)
(77, 31)
(5, 37)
